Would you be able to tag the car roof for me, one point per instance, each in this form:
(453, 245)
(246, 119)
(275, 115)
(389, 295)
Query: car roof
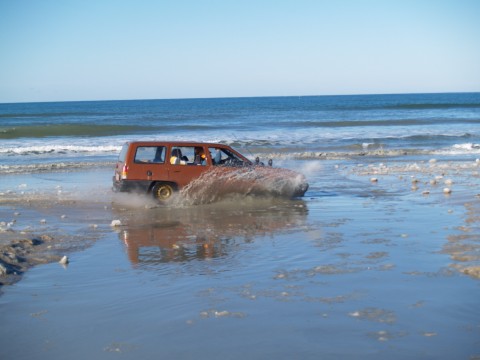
(175, 143)
(184, 143)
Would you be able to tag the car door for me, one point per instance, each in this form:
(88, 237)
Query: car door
(187, 163)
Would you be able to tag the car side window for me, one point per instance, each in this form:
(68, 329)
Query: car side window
(150, 154)
(123, 153)
(188, 155)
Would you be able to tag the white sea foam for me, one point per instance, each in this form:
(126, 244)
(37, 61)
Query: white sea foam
(467, 146)
(460, 149)
(23, 155)
(45, 149)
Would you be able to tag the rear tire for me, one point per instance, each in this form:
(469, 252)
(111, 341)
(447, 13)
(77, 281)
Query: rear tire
(163, 191)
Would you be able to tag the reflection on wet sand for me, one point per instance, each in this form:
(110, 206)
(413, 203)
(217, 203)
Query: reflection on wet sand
(203, 232)
(464, 246)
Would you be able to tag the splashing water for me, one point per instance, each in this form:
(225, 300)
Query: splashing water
(221, 182)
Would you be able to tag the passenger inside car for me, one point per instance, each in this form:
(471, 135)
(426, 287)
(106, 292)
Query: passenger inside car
(200, 158)
(176, 158)
(224, 157)
(218, 157)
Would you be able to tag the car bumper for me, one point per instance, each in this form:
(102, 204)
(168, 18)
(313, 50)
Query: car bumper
(131, 186)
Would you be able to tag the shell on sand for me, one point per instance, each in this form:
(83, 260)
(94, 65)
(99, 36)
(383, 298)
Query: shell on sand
(64, 260)
(116, 223)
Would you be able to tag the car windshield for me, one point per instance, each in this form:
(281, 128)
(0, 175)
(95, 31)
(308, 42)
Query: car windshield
(224, 157)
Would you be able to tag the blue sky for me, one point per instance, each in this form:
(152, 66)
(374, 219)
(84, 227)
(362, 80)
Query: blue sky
(99, 50)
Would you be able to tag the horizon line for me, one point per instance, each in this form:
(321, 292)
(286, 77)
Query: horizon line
(236, 97)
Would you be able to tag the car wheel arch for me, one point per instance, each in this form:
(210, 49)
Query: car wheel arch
(162, 190)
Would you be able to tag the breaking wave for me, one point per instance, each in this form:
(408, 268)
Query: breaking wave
(376, 150)
(58, 149)
(212, 179)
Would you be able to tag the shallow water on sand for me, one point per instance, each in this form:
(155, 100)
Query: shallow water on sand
(353, 270)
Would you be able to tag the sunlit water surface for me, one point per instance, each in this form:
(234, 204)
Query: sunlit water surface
(350, 271)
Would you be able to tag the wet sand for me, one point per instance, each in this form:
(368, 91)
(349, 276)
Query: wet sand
(377, 261)
(45, 216)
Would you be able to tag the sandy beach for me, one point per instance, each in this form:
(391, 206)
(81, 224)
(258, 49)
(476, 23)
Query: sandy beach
(382, 255)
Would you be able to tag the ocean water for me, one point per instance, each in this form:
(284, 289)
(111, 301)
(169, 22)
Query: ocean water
(78, 134)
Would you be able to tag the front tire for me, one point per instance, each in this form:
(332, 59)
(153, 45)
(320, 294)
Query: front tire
(163, 191)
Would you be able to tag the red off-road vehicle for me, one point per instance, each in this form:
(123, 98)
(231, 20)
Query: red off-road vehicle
(161, 168)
